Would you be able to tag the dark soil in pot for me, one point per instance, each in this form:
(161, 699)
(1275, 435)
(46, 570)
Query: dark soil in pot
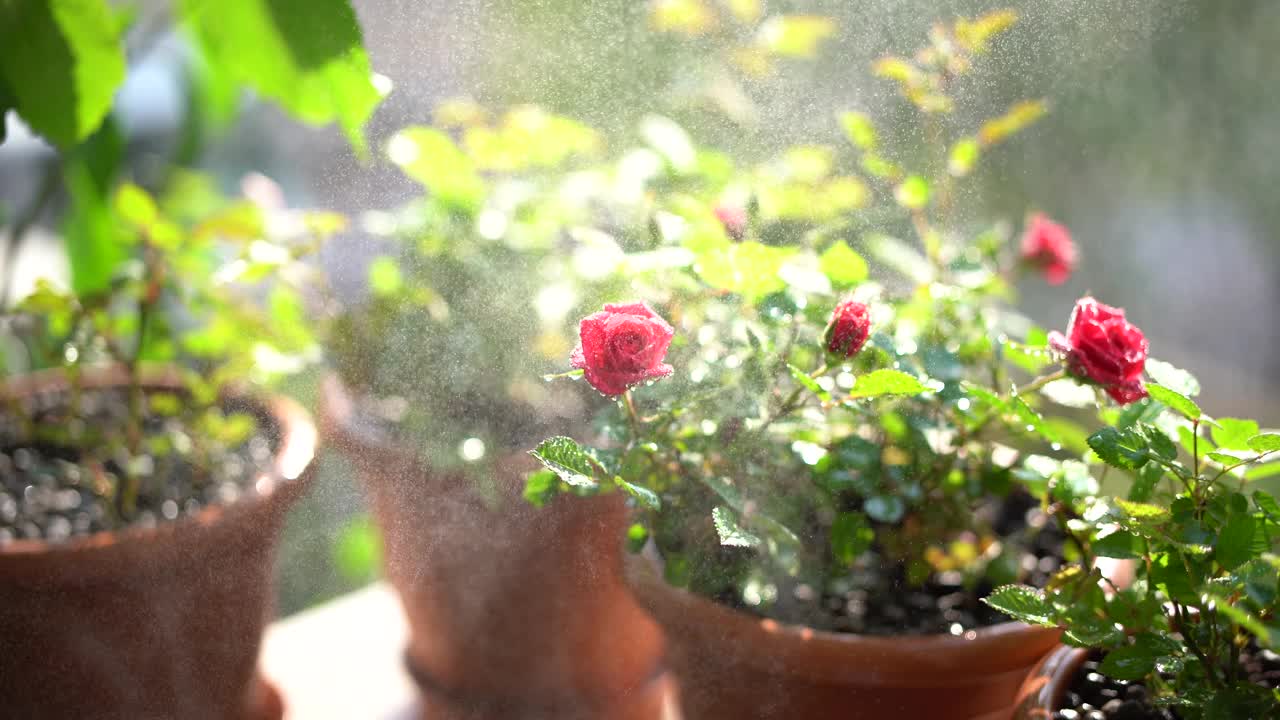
(47, 493)
(153, 616)
(878, 598)
(1092, 696)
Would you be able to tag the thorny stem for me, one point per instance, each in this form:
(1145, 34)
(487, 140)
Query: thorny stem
(146, 305)
(632, 416)
(1041, 381)
(793, 401)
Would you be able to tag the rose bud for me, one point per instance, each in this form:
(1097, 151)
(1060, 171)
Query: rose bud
(1103, 347)
(622, 346)
(1047, 246)
(848, 330)
(734, 220)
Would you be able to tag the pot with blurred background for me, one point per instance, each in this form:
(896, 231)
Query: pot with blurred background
(515, 611)
(160, 619)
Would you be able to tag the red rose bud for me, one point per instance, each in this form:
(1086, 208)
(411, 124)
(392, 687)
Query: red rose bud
(1103, 347)
(734, 220)
(622, 346)
(1047, 246)
(848, 330)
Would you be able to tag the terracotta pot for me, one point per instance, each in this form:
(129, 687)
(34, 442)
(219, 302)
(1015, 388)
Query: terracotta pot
(155, 623)
(730, 665)
(1047, 684)
(515, 612)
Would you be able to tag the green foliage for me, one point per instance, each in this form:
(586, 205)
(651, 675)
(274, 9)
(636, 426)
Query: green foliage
(169, 303)
(60, 64)
(357, 551)
(885, 382)
(568, 460)
(306, 55)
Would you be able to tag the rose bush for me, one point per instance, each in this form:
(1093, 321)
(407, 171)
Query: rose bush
(875, 452)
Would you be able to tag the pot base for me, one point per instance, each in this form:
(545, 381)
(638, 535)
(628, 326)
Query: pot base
(646, 702)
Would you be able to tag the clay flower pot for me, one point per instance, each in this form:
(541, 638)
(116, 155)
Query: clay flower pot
(150, 623)
(730, 665)
(515, 612)
(1047, 684)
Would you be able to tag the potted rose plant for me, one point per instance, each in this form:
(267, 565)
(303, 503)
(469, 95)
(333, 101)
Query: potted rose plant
(1194, 635)
(823, 466)
(437, 392)
(144, 476)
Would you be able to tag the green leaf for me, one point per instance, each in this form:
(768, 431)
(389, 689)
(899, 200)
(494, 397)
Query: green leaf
(729, 531)
(1174, 400)
(1119, 544)
(643, 495)
(851, 536)
(859, 129)
(567, 459)
(134, 205)
(637, 536)
(808, 383)
(885, 508)
(540, 487)
(431, 157)
(1022, 603)
(963, 157)
(1235, 542)
(1268, 635)
(1263, 471)
(1125, 449)
(842, 266)
(384, 276)
(357, 551)
(1179, 381)
(912, 193)
(1267, 504)
(886, 382)
(749, 269)
(1131, 662)
(61, 62)
(795, 35)
(1265, 443)
(1233, 433)
(1144, 484)
(307, 55)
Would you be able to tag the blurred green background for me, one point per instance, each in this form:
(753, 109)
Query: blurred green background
(1160, 154)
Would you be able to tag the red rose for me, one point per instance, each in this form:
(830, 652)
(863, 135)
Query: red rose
(1102, 346)
(1046, 245)
(848, 330)
(621, 346)
(733, 219)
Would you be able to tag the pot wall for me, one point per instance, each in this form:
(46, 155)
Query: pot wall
(730, 665)
(158, 623)
(515, 611)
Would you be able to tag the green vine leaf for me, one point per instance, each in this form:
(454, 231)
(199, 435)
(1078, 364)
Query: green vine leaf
(1174, 400)
(1022, 603)
(886, 382)
(729, 531)
(567, 459)
(1124, 449)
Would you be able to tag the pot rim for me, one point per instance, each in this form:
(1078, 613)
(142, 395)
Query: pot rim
(913, 661)
(1042, 692)
(290, 471)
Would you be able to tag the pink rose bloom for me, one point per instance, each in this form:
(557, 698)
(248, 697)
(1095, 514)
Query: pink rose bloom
(1047, 246)
(1104, 347)
(622, 346)
(848, 329)
(733, 219)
